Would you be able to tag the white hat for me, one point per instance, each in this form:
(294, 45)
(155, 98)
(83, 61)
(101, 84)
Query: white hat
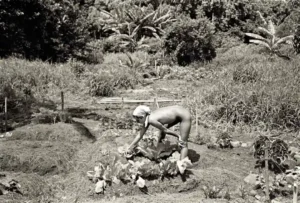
(142, 111)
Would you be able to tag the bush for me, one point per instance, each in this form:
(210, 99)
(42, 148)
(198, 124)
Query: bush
(190, 40)
(101, 84)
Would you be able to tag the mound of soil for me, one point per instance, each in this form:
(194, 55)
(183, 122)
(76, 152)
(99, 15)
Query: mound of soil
(74, 132)
(42, 157)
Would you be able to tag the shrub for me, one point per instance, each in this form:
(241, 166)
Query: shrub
(190, 40)
(101, 84)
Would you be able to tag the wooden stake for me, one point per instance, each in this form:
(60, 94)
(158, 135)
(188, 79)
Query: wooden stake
(295, 192)
(62, 101)
(156, 102)
(5, 114)
(267, 173)
(197, 121)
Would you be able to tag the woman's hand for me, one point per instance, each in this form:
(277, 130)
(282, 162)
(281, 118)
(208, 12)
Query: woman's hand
(129, 152)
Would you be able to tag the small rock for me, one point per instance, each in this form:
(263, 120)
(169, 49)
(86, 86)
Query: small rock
(244, 145)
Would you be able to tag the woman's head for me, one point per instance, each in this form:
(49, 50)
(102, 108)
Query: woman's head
(140, 113)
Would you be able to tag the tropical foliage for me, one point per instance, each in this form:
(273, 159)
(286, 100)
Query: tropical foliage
(271, 41)
(59, 30)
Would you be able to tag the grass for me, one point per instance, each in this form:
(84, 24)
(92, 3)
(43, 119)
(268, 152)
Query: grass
(34, 78)
(37, 157)
(251, 88)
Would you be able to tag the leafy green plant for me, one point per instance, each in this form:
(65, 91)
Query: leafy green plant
(277, 153)
(149, 150)
(134, 65)
(133, 171)
(128, 41)
(271, 42)
(212, 192)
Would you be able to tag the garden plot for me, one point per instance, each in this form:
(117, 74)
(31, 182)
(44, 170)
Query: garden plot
(150, 174)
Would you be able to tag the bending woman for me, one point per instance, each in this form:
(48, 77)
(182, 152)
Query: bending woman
(164, 118)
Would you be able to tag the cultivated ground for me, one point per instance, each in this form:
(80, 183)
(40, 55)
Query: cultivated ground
(50, 160)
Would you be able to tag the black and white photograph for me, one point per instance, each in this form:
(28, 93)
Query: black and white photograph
(149, 101)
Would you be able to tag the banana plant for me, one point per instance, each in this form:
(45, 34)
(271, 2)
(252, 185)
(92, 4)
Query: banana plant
(271, 42)
(129, 40)
(150, 23)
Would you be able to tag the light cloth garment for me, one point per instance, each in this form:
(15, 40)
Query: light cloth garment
(142, 111)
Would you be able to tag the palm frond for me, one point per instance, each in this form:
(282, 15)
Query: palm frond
(156, 35)
(256, 36)
(265, 31)
(149, 28)
(284, 39)
(148, 16)
(262, 18)
(162, 18)
(261, 43)
(271, 27)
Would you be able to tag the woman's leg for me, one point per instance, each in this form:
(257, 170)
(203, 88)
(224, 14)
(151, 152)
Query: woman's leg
(185, 128)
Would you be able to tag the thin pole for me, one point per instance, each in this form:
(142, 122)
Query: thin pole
(295, 192)
(267, 173)
(5, 114)
(62, 101)
(197, 121)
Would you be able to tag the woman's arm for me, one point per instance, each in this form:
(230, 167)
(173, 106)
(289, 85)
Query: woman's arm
(138, 138)
(164, 129)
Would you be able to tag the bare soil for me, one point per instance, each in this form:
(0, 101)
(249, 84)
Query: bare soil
(50, 161)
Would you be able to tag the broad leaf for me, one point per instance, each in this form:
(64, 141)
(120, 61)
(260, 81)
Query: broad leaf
(183, 164)
(261, 43)
(284, 39)
(271, 27)
(256, 36)
(265, 30)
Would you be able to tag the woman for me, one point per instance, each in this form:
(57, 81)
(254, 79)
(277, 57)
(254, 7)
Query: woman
(163, 119)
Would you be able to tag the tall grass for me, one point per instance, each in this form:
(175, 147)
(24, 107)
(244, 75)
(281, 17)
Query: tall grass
(34, 78)
(253, 88)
